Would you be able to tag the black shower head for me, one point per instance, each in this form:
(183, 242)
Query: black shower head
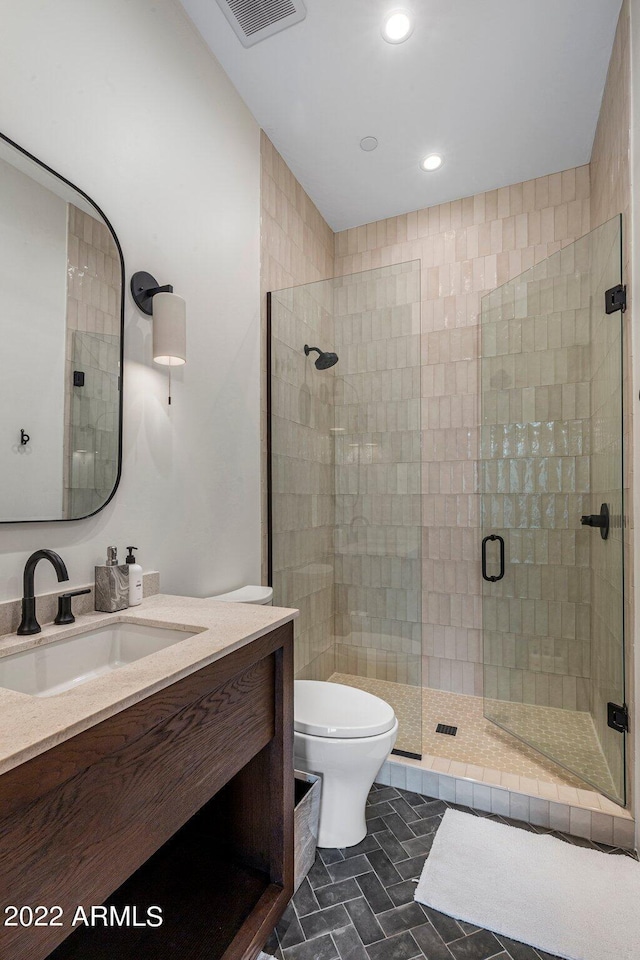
(325, 360)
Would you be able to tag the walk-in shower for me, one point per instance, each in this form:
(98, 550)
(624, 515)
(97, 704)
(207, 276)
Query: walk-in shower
(347, 533)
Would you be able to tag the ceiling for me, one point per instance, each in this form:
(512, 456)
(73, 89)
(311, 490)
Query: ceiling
(505, 90)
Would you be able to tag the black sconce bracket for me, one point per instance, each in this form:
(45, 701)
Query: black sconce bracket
(144, 287)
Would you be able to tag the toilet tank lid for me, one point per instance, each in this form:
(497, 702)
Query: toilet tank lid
(323, 709)
(249, 594)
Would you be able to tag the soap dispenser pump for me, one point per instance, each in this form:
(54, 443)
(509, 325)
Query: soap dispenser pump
(135, 579)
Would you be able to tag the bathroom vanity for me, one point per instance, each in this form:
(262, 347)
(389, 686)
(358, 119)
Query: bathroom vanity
(165, 783)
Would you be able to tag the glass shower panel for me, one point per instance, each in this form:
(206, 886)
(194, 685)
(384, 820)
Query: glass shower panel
(378, 533)
(302, 483)
(346, 484)
(551, 455)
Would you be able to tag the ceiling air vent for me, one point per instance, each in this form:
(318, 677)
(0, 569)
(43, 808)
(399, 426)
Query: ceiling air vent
(255, 20)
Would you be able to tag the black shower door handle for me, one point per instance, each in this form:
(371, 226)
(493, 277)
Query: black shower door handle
(485, 575)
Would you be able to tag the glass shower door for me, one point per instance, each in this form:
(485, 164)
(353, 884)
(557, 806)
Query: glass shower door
(551, 471)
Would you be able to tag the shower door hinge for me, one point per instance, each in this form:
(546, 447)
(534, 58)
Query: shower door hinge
(615, 298)
(618, 717)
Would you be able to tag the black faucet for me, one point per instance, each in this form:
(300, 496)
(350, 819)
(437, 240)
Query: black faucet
(29, 624)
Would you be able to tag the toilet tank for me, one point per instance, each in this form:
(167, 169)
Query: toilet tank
(249, 594)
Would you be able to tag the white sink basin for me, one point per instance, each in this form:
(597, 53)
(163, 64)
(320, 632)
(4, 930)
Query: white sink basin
(58, 666)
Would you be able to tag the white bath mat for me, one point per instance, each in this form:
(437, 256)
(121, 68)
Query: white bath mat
(568, 901)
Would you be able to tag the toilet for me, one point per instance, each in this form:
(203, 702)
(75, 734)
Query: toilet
(345, 735)
(341, 733)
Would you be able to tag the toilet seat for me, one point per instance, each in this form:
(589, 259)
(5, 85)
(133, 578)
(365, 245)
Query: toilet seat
(334, 710)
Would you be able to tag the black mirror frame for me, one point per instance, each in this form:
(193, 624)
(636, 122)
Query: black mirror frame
(107, 223)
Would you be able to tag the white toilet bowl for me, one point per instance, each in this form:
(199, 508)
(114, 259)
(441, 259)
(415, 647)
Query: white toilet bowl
(345, 735)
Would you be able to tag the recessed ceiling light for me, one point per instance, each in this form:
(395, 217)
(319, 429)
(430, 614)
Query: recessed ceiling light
(431, 163)
(397, 26)
(368, 144)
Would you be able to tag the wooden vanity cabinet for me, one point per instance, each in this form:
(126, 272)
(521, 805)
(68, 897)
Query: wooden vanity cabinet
(183, 801)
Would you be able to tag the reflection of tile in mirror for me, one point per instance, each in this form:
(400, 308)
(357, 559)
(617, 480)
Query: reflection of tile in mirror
(93, 297)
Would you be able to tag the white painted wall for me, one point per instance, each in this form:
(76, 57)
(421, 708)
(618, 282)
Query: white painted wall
(33, 308)
(635, 348)
(123, 98)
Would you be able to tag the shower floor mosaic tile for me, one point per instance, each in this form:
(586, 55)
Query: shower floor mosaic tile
(357, 903)
(569, 735)
(479, 743)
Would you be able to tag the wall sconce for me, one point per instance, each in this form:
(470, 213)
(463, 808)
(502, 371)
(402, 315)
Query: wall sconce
(169, 319)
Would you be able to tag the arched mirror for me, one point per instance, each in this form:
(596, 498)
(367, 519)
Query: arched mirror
(61, 329)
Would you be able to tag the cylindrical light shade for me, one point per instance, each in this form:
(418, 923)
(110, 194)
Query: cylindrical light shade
(169, 329)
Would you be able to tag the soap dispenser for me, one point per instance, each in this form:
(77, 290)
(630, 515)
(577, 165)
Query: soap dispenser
(135, 579)
(112, 584)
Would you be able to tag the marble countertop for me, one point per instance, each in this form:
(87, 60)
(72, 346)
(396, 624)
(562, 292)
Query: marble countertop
(31, 725)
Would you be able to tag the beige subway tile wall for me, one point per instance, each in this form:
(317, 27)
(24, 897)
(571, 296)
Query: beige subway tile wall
(93, 346)
(467, 248)
(297, 247)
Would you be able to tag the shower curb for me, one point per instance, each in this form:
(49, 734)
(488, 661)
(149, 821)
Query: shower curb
(579, 820)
